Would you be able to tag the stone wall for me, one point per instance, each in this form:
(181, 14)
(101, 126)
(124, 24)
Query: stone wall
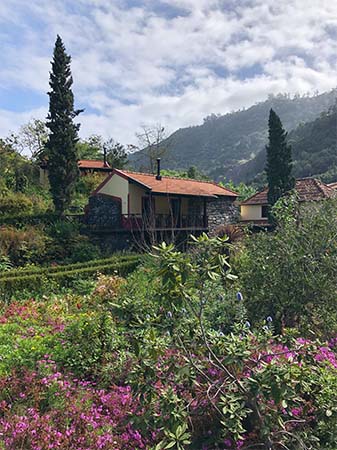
(104, 211)
(221, 211)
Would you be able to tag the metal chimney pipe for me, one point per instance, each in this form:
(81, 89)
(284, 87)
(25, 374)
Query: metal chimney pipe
(158, 177)
(105, 161)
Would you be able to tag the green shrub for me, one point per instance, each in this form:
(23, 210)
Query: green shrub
(88, 340)
(22, 345)
(84, 250)
(15, 203)
(23, 245)
(88, 183)
(65, 237)
(5, 264)
(291, 274)
(63, 231)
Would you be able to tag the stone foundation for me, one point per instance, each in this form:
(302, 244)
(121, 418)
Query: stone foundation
(104, 211)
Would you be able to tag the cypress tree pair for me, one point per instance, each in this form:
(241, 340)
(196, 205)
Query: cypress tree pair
(61, 149)
(279, 161)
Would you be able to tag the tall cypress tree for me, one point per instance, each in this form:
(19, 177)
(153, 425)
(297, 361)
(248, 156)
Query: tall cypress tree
(279, 161)
(61, 146)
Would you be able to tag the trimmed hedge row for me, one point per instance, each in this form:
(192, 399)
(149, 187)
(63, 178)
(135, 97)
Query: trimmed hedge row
(11, 285)
(37, 219)
(29, 219)
(68, 267)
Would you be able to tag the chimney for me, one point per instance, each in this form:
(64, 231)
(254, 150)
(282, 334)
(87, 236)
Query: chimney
(105, 161)
(158, 177)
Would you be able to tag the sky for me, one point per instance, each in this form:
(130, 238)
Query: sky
(171, 62)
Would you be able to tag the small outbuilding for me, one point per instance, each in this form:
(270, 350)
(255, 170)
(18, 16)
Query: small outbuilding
(254, 210)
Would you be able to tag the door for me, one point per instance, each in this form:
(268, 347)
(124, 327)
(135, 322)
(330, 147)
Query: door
(147, 211)
(175, 209)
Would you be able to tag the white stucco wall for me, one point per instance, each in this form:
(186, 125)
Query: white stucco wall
(251, 212)
(135, 198)
(117, 186)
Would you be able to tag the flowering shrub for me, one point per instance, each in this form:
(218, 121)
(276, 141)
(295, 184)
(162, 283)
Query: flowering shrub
(44, 409)
(153, 362)
(265, 389)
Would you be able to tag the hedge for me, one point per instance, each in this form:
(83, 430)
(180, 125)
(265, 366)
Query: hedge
(34, 283)
(29, 219)
(14, 273)
(37, 219)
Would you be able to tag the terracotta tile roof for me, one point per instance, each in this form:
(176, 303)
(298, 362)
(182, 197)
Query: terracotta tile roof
(308, 189)
(92, 164)
(178, 186)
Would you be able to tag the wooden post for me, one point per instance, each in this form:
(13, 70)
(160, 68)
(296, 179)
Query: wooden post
(205, 214)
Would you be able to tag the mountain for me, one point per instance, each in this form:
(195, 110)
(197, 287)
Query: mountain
(222, 144)
(314, 151)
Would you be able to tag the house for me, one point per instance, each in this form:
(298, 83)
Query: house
(136, 201)
(90, 166)
(85, 166)
(254, 210)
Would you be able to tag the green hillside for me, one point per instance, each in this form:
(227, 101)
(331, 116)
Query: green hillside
(223, 143)
(314, 148)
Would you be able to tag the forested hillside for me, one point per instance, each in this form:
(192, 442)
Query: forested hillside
(222, 143)
(314, 152)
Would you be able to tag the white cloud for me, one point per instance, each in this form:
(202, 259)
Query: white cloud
(10, 121)
(133, 65)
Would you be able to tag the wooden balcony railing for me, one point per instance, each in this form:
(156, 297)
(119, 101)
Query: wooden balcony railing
(164, 222)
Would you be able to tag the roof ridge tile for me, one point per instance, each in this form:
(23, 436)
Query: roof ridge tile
(165, 177)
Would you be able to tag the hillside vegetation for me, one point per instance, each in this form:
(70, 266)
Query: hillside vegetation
(222, 143)
(313, 149)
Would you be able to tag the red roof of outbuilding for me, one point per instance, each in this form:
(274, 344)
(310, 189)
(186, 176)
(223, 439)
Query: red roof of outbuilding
(173, 185)
(308, 189)
(92, 164)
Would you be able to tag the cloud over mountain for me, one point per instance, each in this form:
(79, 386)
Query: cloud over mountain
(168, 61)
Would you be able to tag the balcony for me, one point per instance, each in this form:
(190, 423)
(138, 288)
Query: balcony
(159, 222)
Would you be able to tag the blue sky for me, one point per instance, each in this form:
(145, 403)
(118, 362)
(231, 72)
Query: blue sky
(143, 62)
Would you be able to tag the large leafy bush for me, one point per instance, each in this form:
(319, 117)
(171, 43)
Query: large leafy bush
(13, 204)
(291, 273)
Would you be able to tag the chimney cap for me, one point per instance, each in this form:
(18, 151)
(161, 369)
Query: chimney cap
(158, 176)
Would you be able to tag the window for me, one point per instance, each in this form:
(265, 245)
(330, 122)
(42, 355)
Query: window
(264, 212)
